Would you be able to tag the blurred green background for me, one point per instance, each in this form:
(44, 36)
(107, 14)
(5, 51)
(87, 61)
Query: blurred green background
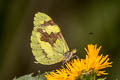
(82, 22)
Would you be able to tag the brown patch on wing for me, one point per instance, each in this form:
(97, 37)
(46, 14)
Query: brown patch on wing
(51, 22)
(45, 54)
(51, 39)
(59, 35)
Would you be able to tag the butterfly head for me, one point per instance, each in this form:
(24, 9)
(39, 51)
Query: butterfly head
(73, 51)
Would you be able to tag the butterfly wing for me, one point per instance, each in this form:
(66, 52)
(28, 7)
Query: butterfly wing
(47, 42)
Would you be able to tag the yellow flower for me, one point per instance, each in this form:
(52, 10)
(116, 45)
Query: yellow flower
(95, 61)
(77, 67)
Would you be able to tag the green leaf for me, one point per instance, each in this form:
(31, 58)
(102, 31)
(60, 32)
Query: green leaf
(101, 79)
(30, 77)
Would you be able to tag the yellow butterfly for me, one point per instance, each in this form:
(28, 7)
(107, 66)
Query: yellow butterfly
(47, 42)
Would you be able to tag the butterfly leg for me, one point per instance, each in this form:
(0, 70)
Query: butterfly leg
(74, 56)
(69, 56)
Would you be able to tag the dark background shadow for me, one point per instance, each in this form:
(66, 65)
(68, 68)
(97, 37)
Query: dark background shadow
(81, 21)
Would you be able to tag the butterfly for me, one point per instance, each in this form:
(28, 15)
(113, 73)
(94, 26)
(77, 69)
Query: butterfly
(47, 42)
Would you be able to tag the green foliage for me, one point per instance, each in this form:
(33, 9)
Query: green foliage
(30, 77)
